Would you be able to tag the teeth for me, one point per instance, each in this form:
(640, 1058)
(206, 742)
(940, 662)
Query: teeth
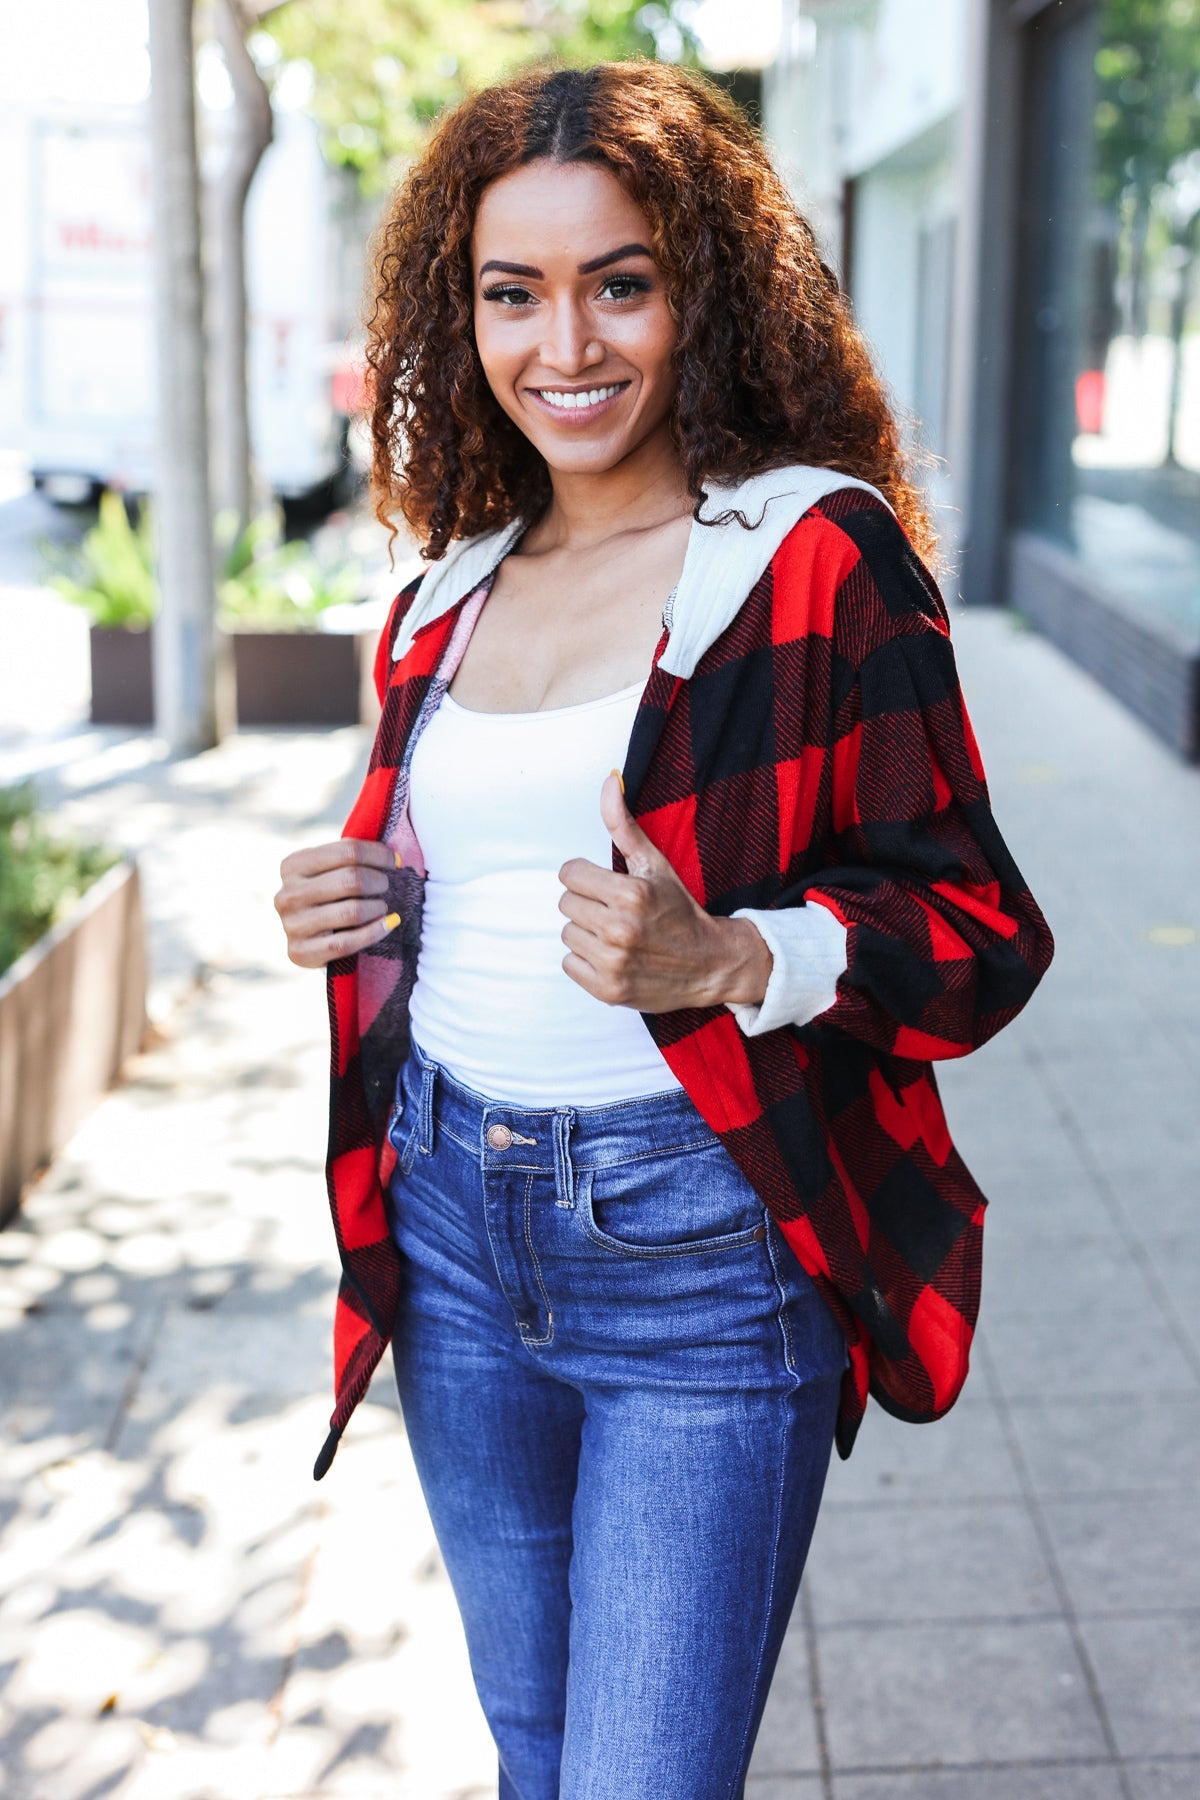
(577, 401)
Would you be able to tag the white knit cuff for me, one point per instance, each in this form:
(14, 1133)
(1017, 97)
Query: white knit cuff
(808, 953)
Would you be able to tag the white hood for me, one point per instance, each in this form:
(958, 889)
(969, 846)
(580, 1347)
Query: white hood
(721, 566)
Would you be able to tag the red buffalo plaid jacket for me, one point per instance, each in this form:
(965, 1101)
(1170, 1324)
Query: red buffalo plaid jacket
(818, 753)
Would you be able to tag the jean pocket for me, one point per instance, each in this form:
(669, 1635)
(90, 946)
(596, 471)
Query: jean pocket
(676, 1203)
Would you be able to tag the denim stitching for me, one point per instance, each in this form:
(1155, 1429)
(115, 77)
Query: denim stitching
(564, 1172)
(734, 1240)
(784, 1327)
(537, 1272)
(426, 1110)
(735, 1792)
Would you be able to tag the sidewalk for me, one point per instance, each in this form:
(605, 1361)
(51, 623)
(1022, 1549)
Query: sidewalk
(1003, 1606)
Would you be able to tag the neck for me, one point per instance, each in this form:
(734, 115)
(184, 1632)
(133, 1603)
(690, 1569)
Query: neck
(643, 491)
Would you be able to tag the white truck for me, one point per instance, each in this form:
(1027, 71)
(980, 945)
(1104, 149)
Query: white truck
(76, 324)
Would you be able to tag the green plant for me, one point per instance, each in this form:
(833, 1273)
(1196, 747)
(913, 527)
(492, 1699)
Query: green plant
(42, 873)
(270, 584)
(260, 581)
(111, 572)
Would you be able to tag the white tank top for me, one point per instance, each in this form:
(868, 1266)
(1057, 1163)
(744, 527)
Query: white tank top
(499, 801)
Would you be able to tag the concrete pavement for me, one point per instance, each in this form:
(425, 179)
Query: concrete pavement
(1002, 1606)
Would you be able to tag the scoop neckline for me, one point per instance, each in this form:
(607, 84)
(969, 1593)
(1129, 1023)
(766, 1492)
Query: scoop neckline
(546, 712)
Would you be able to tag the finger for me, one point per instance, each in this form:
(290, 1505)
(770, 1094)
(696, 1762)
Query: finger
(339, 915)
(641, 856)
(582, 972)
(579, 876)
(349, 881)
(593, 949)
(592, 914)
(317, 859)
(316, 952)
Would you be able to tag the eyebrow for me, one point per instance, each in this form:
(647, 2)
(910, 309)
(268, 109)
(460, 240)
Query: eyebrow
(587, 268)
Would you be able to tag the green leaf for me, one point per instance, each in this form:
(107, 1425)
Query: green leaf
(43, 872)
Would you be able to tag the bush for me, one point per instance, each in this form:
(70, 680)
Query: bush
(42, 873)
(261, 581)
(277, 586)
(111, 572)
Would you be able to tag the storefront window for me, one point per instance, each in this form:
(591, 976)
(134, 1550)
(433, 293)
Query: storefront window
(1110, 300)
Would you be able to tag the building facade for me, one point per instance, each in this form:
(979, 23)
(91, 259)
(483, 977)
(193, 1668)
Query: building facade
(1011, 191)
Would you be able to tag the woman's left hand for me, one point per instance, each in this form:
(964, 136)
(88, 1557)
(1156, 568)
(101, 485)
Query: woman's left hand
(641, 940)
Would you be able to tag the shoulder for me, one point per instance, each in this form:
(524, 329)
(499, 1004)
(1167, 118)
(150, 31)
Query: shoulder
(847, 571)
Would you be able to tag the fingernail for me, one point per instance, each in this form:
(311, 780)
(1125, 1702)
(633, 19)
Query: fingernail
(392, 920)
(399, 859)
(619, 777)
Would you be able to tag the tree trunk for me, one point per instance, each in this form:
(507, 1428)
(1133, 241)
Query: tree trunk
(185, 680)
(1179, 312)
(249, 137)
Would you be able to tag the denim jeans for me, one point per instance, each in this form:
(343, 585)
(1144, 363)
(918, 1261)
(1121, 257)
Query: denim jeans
(619, 1389)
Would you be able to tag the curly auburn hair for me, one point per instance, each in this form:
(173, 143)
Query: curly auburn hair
(770, 366)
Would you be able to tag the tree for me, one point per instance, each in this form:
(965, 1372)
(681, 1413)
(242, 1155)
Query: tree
(383, 69)
(250, 134)
(1147, 116)
(185, 649)
(1147, 127)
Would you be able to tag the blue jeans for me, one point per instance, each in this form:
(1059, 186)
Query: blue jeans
(619, 1388)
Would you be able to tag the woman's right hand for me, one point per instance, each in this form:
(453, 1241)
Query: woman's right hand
(333, 900)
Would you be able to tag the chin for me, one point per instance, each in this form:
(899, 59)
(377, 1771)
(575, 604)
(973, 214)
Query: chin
(580, 460)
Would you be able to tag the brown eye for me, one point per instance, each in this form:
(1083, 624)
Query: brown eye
(509, 295)
(624, 287)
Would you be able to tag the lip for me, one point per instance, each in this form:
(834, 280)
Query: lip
(577, 415)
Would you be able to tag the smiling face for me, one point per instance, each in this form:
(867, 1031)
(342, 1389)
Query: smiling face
(571, 316)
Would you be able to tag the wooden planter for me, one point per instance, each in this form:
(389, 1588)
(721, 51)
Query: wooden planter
(302, 677)
(71, 1010)
(122, 676)
(282, 677)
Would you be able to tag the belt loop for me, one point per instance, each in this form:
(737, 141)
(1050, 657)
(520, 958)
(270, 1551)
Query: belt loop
(425, 1121)
(564, 1174)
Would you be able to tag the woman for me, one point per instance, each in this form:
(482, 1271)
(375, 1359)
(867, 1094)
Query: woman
(640, 1272)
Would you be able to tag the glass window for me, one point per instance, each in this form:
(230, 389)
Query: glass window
(1110, 299)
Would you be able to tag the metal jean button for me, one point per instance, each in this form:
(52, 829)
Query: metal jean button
(499, 1137)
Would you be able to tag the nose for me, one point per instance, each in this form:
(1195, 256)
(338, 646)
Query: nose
(570, 345)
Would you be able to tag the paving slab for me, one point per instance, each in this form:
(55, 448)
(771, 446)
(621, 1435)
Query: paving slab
(1111, 1447)
(985, 1692)
(1128, 1352)
(1058, 1781)
(1123, 1553)
(1149, 1673)
(1165, 1781)
(1175, 1258)
(963, 1456)
(908, 1562)
(1047, 1202)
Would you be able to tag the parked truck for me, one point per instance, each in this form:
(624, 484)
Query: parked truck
(77, 367)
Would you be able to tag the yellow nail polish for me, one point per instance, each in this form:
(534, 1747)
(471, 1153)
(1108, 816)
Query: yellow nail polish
(399, 859)
(392, 920)
(619, 777)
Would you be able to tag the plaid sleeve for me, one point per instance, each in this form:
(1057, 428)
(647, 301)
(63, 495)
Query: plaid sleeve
(945, 943)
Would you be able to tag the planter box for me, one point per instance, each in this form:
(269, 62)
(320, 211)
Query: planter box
(302, 677)
(122, 676)
(71, 1010)
(282, 677)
